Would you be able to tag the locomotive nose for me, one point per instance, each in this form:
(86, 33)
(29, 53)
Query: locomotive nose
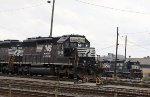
(86, 52)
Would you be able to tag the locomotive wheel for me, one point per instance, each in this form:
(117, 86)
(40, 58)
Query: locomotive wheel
(60, 75)
(3, 71)
(11, 72)
(81, 73)
(70, 76)
(31, 74)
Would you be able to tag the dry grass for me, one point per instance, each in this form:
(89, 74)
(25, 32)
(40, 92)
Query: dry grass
(146, 71)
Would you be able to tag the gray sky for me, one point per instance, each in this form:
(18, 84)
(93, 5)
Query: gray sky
(96, 19)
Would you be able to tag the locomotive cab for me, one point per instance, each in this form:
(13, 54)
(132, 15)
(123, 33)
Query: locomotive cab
(134, 69)
(72, 45)
(69, 42)
(77, 50)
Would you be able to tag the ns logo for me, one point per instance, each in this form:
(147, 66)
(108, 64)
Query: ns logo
(17, 53)
(47, 48)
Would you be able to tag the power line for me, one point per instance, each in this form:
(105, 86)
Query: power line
(23, 8)
(141, 42)
(108, 47)
(4, 29)
(116, 9)
(137, 45)
(144, 32)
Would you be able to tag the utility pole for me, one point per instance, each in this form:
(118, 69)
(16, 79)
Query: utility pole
(115, 71)
(52, 16)
(125, 47)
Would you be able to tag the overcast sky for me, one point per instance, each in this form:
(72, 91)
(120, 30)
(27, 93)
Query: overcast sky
(96, 19)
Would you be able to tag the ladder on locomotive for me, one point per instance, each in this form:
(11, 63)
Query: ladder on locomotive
(11, 60)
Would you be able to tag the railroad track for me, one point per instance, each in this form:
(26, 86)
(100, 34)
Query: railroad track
(27, 93)
(110, 82)
(68, 90)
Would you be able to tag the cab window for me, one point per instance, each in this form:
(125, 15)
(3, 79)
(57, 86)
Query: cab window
(73, 45)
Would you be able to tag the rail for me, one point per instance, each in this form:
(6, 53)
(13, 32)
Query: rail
(52, 87)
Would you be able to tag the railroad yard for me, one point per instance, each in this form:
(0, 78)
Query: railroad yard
(68, 64)
(28, 87)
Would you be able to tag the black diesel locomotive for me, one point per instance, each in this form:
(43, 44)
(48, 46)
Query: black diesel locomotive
(124, 69)
(68, 55)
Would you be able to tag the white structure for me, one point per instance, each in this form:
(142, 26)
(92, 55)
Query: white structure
(111, 57)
